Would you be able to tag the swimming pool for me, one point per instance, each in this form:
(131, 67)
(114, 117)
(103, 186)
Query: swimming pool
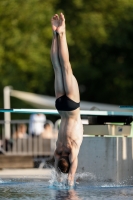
(87, 187)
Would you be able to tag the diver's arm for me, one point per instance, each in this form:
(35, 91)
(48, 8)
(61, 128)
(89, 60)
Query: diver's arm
(56, 157)
(73, 158)
(72, 171)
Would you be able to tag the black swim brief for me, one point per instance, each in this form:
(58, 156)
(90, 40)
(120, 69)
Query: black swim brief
(64, 103)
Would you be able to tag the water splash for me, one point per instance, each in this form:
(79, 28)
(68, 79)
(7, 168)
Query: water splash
(85, 176)
(4, 181)
(1, 181)
(60, 181)
(87, 179)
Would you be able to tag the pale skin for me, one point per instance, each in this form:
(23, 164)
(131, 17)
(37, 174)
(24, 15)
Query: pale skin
(71, 130)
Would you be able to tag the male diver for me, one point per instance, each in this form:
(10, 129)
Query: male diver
(67, 103)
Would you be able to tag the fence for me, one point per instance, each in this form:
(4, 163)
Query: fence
(29, 145)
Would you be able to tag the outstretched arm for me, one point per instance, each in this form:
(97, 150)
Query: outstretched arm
(73, 158)
(56, 157)
(72, 171)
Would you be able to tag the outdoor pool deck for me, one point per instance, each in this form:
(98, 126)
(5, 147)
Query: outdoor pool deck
(26, 173)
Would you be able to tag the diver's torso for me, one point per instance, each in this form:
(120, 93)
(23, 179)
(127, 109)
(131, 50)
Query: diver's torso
(70, 134)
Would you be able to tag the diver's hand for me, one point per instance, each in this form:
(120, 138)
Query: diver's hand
(70, 183)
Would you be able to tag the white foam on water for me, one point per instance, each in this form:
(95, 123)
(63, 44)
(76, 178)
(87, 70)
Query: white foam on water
(114, 186)
(125, 183)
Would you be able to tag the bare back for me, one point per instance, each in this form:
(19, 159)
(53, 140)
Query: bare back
(70, 133)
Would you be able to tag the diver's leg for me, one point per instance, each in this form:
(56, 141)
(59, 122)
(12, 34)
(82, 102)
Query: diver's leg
(70, 82)
(59, 87)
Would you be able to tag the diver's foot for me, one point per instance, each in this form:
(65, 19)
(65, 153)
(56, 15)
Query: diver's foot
(61, 27)
(55, 22)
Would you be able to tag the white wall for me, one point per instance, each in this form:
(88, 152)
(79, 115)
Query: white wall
(108, 157)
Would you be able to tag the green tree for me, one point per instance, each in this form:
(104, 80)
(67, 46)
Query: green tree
(101, 48)
(25, 36)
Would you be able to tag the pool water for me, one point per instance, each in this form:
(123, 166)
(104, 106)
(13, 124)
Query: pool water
(86, 187)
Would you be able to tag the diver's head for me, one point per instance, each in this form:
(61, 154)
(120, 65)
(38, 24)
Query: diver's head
(64, 164)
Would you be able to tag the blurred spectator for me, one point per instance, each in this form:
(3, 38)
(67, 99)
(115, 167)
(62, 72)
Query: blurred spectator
(20, 132)
(47, 131)
(36, 124)
(57, 124)
(1, 147)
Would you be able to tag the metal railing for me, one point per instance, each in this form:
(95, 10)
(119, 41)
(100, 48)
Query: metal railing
(29, 145)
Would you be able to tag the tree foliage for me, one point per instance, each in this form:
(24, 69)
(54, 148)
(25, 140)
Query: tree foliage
(100, 42)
